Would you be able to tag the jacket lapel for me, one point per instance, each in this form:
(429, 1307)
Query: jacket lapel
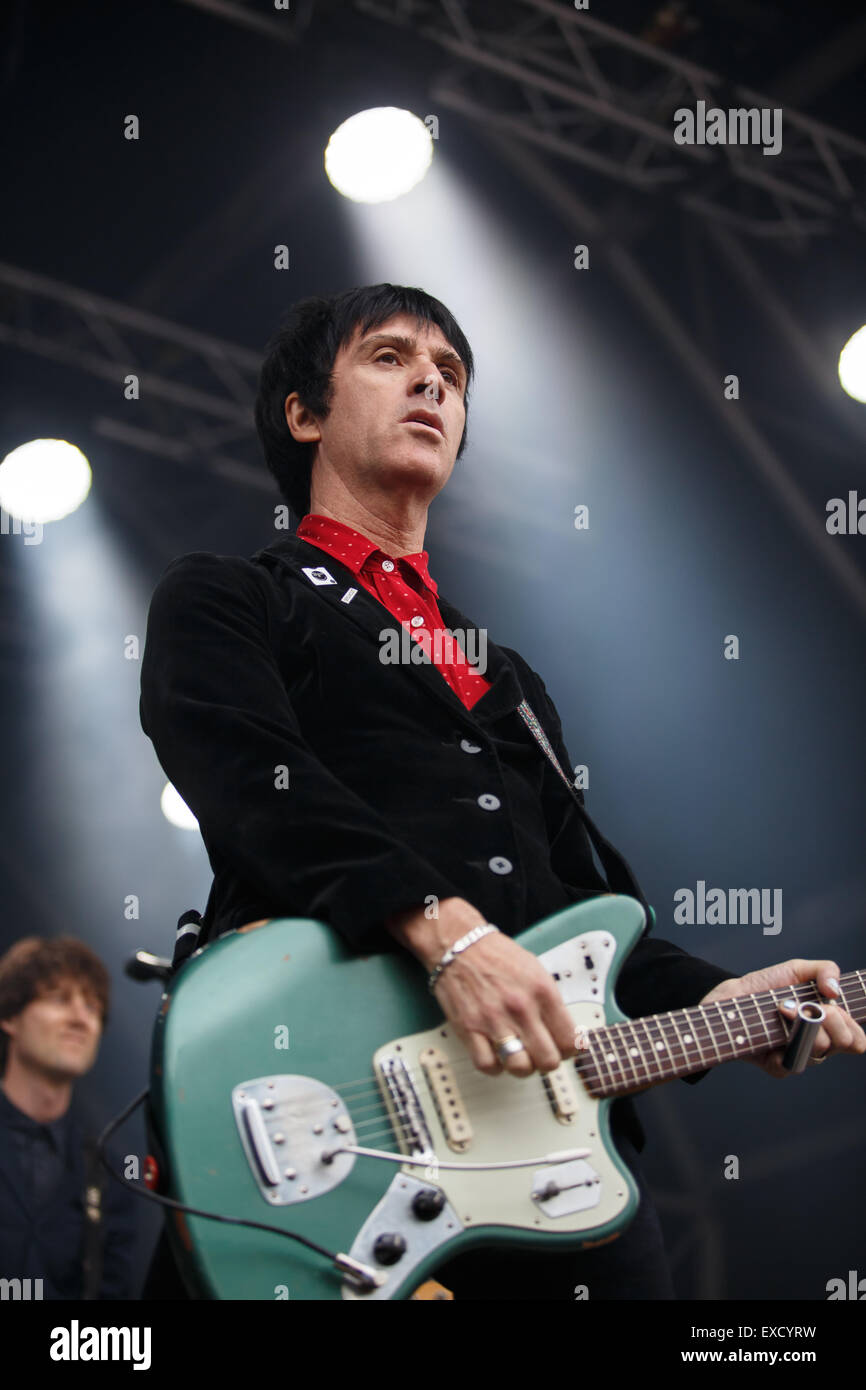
(367, 613)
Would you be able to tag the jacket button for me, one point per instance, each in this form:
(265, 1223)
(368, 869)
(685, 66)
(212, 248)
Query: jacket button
(469, 747)
(500, 865)
(489, 802)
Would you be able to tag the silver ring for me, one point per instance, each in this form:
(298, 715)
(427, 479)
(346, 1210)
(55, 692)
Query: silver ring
(506, 1047)
(816, 1061)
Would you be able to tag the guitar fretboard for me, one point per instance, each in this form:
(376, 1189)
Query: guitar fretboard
(623, 1056)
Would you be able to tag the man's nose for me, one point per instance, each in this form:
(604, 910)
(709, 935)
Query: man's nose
(431, 386)
(81, 1011)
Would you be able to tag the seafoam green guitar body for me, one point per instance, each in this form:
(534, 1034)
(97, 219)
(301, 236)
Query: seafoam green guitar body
(278, 1045)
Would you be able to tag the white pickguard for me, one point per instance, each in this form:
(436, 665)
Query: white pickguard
(512, 1118)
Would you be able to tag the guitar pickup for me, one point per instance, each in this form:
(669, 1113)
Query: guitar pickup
(448, 1100)
(561, 1094)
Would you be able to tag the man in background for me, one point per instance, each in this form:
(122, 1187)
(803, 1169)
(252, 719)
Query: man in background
(62, 1220)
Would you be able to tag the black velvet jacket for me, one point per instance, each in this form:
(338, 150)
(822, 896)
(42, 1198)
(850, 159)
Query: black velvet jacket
(254, 676)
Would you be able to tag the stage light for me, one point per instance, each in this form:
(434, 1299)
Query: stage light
(852, 366)
(378, 155)
(175, 809)
(44, 480)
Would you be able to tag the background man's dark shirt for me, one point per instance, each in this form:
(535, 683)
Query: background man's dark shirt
(42, 1216)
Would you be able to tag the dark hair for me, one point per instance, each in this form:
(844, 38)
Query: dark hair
(300, 357)
(33, 965)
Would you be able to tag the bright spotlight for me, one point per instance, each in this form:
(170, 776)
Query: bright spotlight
(44, 480)
(852, 366)
(378, 155)
(175, 809)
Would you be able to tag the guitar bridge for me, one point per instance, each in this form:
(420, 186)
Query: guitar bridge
(403, 1105)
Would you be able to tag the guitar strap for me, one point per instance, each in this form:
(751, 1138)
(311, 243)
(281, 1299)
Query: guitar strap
(619, 873)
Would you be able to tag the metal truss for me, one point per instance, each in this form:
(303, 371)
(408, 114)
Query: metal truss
(556, 79)
(190, 416)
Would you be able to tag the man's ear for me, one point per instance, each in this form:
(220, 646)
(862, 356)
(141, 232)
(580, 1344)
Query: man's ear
(301, 421)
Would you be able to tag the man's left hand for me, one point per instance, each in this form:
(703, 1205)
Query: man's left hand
(838, 1033)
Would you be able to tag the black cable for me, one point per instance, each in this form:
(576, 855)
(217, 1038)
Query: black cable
(181, 1206)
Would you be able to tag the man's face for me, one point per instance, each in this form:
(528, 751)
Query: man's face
(399, 368)
(58, 1032)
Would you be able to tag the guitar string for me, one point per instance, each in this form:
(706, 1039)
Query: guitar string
(755, 1003)
(394, 1125)
(390, 1124)
(706, 1052)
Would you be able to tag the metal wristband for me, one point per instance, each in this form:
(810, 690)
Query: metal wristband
(454, 950)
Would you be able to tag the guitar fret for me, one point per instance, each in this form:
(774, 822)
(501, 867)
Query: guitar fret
(662, 1060)
(679, 1036)
(692, 1037)
(670, 1032)
(856, 979)
(696, 1023)
(612, 1058)
(762, 1020)
(743, 1040)
(595, 1044)
(632, 1048)
(724, 1009)
(647, 1048)
(772, 993)
(617, 1034)
(701, 1009)
(636, 1052)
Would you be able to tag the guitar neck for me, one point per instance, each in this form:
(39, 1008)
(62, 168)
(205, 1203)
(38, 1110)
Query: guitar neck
(624, 1057)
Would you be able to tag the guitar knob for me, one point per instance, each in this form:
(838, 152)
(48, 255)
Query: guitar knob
(428, 1203)
(389, 1248)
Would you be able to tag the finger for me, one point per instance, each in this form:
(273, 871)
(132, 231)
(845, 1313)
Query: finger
(558, 1022)
(540, 1045)
(516, 1063)
(827, 978)
(514, 1024)
(843, 1033)
(482, 1052)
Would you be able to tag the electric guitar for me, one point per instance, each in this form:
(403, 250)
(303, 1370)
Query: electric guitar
(300, 1086)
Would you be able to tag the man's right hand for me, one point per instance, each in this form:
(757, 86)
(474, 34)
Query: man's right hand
(492, 990)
